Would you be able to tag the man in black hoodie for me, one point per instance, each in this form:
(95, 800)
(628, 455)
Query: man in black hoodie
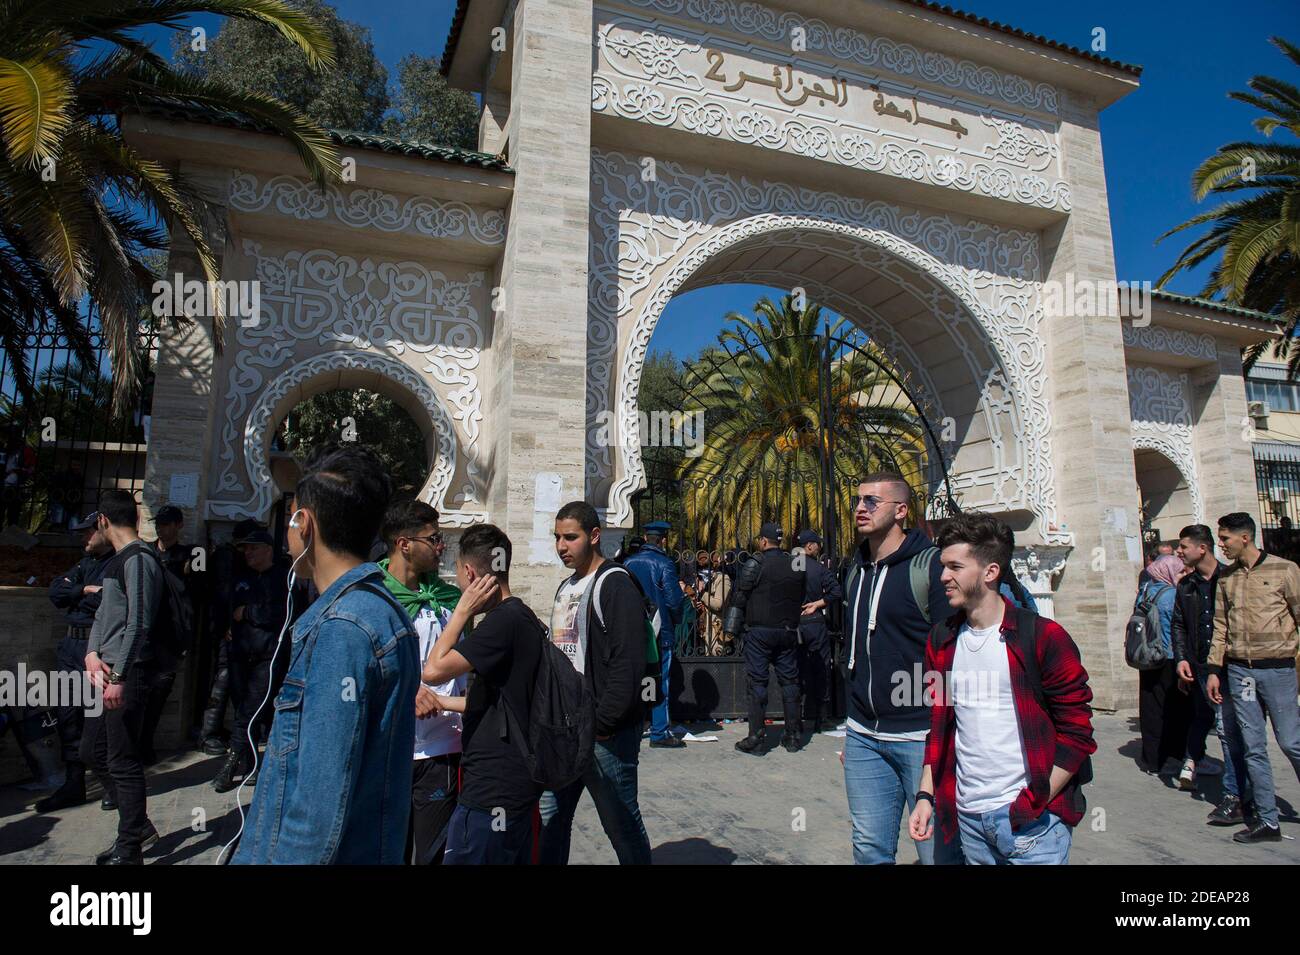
(892, 597)
(599, 621)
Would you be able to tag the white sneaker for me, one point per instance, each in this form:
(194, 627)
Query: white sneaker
(1209, 766)
(1187, 778)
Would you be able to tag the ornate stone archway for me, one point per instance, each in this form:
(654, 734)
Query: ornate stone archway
(979, 282)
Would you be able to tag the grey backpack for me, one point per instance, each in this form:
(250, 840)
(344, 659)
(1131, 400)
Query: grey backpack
(1144, 642)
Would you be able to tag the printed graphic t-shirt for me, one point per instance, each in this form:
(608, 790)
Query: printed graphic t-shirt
(439, 734)
(568, 623)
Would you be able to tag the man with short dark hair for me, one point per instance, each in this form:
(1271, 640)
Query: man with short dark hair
(893, 597)
(493, 821)
(657, 574)
(77, 594)
(336, 786)
(1192, 632)
(175, 557)
(765, 606)
(599, 621)
(415, 547)
(122, 658)
(1252, 655)
(1010, 721)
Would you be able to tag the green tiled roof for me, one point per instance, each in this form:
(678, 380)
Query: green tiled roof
(1217, 306)
(342, 137)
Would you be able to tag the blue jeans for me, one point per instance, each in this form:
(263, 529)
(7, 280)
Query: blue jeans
(880, 778)
(1249, 694)
(611, 780)
(1206, 714)
(659, 714)
(987, 839)
(479, 837)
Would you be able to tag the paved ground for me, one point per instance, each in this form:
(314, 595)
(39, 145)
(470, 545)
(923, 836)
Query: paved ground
(709, 804)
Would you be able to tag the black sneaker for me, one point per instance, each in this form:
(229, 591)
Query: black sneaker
(108, 803)
(668, 742)
(751, 744)
(214, 746)
(790, 743)
(1259, 831)
(1226, 813)
(66, 796)
(150, 837)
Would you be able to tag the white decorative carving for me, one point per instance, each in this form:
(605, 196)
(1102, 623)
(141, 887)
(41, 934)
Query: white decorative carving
(258, 423)
(846, 44)
(329, 299)
(1174, 341)
(652, 72)
(648, 238)
(369, 208)
(1162, 421)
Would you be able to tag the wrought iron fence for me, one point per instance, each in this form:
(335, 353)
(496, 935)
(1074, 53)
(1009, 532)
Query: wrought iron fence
(1277, 483)
(62, 444)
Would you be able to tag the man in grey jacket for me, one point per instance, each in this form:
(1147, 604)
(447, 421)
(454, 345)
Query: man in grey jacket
(121, 661)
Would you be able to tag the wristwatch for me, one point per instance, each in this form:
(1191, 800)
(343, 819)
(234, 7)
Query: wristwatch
(115, 678)
(928, 797)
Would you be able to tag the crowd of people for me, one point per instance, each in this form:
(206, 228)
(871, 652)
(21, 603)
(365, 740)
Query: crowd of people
(381, 714)
(1226, 658)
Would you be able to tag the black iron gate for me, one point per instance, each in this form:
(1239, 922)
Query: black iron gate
(778, 424)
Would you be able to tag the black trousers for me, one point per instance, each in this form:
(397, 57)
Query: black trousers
(160, 688)
(71, 658)
(815, 666)
(110, 746)
(773, 647)
(250, 684)
(1164, 713)
(435, 786)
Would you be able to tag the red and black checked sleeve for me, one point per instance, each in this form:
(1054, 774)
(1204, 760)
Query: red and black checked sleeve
(1065, 686)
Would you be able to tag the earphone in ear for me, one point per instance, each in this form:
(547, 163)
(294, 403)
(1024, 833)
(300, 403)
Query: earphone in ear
(293, 520)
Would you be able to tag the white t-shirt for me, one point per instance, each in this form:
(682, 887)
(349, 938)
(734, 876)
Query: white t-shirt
(439, 734)
(991, 768)
(568, 624)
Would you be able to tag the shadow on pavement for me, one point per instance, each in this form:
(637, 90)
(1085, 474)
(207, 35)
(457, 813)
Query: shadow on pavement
(693, 851)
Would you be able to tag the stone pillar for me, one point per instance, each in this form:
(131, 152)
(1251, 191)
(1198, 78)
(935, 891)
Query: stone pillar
(540, 336)
(1093, 450)
(1224, 462)
(179, 445)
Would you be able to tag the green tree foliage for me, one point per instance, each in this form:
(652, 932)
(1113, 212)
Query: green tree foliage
(79, 207)
(252, 57)
(377, 422)
(427, 110)
(1256, 234)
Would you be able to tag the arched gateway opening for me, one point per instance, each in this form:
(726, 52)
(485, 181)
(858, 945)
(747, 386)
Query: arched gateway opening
(900, 372)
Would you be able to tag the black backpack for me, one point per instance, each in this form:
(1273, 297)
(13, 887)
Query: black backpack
(561, 738)
(174, 626)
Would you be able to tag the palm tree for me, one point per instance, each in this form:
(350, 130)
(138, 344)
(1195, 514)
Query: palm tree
(768, 426)
(1259, 233)
(80, 209)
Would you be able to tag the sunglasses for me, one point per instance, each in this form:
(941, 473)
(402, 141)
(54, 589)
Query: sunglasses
(433, 540)
(870, 502)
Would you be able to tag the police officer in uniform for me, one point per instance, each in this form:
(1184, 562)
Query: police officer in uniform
(821, 590)
(258, 613)
(77, 593)
(765, 603)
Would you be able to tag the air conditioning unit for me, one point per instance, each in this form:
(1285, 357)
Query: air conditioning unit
(1257, 409)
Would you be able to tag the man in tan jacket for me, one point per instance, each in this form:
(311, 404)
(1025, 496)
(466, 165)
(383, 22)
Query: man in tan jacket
(1256, 611)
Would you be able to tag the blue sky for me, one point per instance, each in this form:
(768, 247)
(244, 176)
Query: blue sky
(1192, 53)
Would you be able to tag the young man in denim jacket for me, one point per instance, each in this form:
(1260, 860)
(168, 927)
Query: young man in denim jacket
(337, 783)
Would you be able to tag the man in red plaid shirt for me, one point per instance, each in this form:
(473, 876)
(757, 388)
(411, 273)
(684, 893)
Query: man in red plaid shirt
(1010, 725)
